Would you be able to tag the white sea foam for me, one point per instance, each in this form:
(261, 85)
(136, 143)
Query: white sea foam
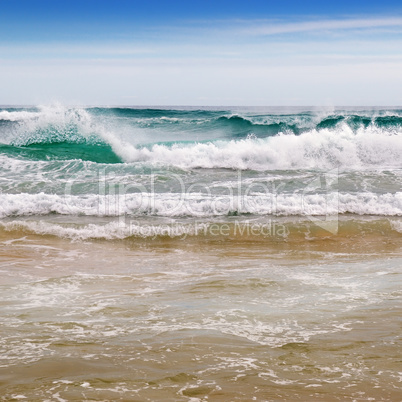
(396, 225)
(315, 149)
(92, 231)
(17, 116)
(198, 205)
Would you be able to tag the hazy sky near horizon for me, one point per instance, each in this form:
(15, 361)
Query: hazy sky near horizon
(201, 52)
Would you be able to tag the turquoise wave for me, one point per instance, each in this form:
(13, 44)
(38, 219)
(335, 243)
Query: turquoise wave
(103, 134)
(100, 153)
(267, 123)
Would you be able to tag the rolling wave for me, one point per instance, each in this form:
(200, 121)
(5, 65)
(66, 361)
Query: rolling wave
(100, 153)
(198, 205)
(207, 139)
(324, 149)
(359, 230)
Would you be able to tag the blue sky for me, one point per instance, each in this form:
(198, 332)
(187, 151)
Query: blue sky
(201, 52)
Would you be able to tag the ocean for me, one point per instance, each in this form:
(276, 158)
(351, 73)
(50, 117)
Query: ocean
(194, 254)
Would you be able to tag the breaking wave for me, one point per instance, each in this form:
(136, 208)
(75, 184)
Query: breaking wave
(203, 139)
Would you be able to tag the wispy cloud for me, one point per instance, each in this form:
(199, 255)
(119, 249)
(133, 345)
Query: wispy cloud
(274, 27)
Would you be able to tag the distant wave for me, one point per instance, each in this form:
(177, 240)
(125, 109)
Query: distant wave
(297, 122)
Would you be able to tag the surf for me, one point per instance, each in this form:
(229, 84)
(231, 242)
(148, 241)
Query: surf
(208, 139)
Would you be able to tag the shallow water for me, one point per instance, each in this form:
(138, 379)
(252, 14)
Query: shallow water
(211, 319)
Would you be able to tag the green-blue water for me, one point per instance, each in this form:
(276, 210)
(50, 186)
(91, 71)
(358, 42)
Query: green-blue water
(44, 133)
